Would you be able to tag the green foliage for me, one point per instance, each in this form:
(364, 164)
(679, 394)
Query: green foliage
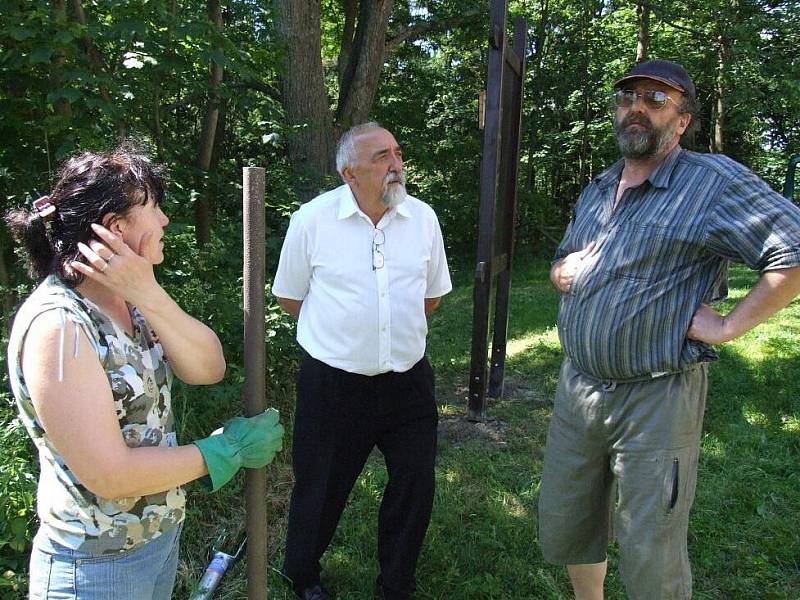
(140, 69)
(18, 472)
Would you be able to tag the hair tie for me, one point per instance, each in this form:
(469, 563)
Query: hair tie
(44, 208)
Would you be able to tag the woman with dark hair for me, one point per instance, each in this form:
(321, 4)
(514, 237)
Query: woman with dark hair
(91, 358)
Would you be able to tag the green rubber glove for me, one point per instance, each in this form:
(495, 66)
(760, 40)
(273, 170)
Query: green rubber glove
(243, 442)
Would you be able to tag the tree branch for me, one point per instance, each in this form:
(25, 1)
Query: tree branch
(418, 29)
(669, 19)
(257, 86)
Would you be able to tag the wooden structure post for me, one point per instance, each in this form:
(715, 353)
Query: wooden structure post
(254, 374)
(788, 184)
(503, 105)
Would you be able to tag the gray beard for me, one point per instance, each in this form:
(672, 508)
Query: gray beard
(644, 143)
(394, 195)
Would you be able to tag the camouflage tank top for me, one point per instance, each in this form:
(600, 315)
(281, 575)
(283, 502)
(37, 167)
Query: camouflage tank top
(140, 380)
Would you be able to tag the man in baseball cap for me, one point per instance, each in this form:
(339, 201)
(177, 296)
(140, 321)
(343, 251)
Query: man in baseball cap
(665, 71)
(643, 260)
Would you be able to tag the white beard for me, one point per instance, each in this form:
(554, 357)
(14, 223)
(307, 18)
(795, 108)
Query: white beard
(394, 194)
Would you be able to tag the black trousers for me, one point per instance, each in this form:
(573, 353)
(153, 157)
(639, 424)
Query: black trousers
(340, 417)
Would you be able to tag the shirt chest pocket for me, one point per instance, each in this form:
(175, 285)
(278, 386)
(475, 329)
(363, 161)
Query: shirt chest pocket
(650, 251)
(409, 267)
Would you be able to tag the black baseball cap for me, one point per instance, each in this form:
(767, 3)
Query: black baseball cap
(665, 71)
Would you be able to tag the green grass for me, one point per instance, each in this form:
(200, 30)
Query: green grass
(482, 541)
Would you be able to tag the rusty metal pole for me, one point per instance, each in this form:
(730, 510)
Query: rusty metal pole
(254, 374)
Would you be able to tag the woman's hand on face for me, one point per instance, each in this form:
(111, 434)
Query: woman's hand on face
(115, 265)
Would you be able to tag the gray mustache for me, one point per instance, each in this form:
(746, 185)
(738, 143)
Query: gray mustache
(394, 178)
(637, 121)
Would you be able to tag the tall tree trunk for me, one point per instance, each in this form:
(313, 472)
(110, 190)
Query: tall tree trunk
(361, 76)
(95, 59)
(582, 159)
(158, 77)
(643, 36)
(350, 9)
(717, 139)
(586, 91)
(61, 106)
(535, 67)
(305, 98)
(219, 136)
(158, 132)
(7, 298)
(202, 217)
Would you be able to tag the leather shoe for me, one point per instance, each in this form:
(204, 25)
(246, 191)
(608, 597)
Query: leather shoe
(315, 592)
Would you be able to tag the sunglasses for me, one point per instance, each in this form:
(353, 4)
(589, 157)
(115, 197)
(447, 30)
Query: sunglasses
(653, 99)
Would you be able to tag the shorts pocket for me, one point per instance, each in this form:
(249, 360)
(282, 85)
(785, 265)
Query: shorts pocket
(672, 485)
(679, 475)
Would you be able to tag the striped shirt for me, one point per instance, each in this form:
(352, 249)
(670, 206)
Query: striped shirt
(664, 251)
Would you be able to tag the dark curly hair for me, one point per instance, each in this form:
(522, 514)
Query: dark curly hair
(90, 186)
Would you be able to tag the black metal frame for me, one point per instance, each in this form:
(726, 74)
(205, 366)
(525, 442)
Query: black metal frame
(503, 118)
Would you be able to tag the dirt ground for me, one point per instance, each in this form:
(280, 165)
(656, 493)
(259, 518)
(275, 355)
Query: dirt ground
(455, 429)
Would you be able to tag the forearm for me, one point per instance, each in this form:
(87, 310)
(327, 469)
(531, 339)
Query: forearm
(290, 306)
(431, 304)
(773, 291)
(128, 472)
(194, 350)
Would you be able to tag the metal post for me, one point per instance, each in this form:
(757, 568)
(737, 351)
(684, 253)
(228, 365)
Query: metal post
(254, 374)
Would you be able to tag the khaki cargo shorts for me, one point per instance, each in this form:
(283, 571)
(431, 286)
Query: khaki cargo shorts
(621, 460)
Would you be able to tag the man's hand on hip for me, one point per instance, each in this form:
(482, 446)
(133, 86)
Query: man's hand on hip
(708, 326)
(563, 271)
(773, 290)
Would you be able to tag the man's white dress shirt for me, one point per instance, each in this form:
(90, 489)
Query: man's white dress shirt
(356, 315)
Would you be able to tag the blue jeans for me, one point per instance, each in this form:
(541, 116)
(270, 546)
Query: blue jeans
(147, 572)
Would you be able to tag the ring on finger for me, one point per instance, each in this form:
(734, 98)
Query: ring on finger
(105, 266)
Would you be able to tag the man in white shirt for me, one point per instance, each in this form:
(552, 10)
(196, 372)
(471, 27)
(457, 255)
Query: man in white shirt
(361, 268)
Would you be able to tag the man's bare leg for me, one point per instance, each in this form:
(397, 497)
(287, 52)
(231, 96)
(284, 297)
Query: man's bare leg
(587, 580)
